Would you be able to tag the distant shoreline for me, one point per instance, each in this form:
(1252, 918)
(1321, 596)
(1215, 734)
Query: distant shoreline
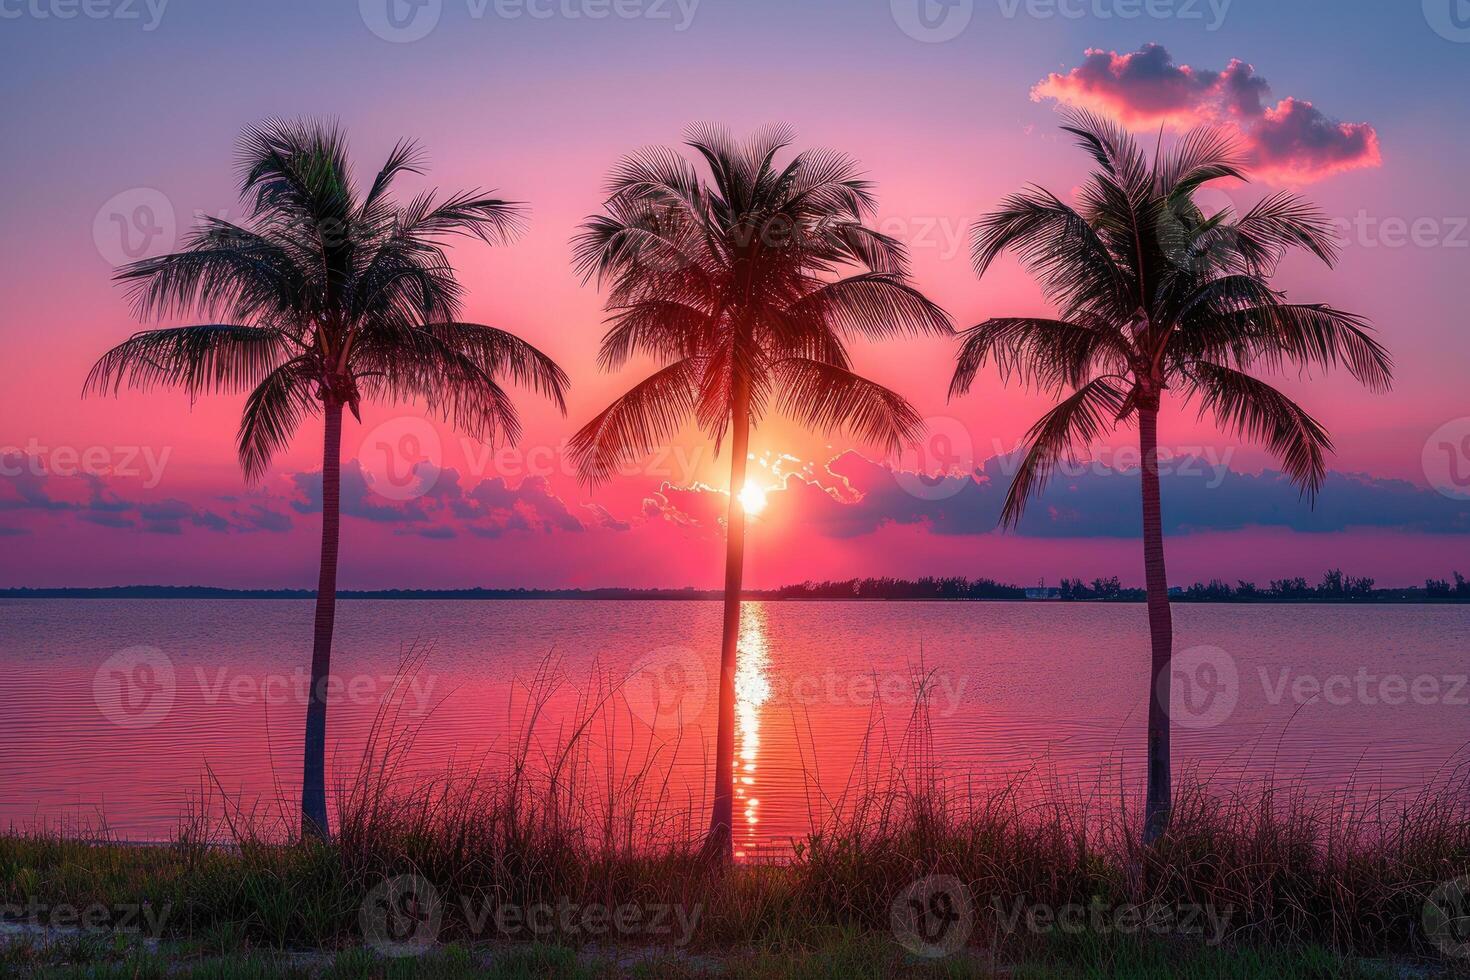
(1380, 597)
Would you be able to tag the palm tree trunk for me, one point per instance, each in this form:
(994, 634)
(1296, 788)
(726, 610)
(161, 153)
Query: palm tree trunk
(719, 844)
(1160, 630)
(313, 775)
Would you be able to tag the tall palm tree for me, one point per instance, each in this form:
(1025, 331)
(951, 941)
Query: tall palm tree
(1153, 296)
(744, 289)
(325, 297)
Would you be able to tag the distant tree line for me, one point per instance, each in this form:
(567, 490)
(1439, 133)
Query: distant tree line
(1336, 586)
(929, 587)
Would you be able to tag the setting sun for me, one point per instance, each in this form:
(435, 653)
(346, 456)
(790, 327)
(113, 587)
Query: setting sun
(753, 499)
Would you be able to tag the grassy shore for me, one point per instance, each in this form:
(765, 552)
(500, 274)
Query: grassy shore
(548, 866)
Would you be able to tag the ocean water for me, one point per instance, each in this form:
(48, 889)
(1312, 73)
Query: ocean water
(124, 712)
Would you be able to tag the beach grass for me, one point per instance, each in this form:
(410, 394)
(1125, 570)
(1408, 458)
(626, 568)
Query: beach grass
(521, 870)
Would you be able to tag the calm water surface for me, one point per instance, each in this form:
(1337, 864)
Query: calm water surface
(117, 710)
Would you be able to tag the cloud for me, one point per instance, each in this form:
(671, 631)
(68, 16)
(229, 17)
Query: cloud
(26, 486)
(492, 508)
(1086, 501)
(1291, 142)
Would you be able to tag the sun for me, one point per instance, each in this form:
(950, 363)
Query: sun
(753, 499)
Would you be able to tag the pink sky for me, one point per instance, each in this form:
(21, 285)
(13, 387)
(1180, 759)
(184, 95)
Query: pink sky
(116, 120)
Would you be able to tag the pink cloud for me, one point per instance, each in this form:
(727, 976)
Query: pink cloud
(1291, 142)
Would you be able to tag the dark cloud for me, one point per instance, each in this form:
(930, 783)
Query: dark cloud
(1088, 501)
(27, 487)
(491, 508)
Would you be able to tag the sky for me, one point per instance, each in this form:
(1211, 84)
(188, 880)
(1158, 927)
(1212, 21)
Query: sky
(121, 128)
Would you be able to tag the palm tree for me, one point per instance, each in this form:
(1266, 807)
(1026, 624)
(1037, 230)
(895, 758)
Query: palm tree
(1154, 296)
(745, 290)
(322, 298)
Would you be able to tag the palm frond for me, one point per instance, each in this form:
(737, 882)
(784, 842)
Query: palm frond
(647, 416)
(827, 398)
(199, 359)
(1049, 354)
(1203, 154)
(1279, 223)
(1254, 410)
(498, 352)
(874, 304)
(273, 412)
(1059, 247)
(1084, 416)
(224, 270)
(1317, 335)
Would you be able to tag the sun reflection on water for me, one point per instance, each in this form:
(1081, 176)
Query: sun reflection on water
(752, 690)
